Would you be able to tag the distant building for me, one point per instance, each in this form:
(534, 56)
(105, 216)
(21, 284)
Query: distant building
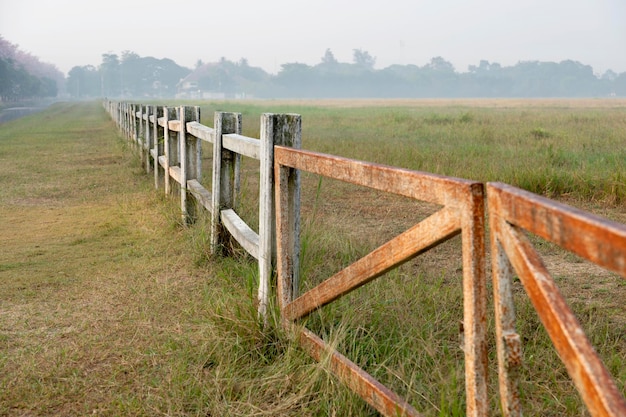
(218, 80)
(203, 83)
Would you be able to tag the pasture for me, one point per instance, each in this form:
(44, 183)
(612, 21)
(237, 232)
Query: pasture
(110, 306)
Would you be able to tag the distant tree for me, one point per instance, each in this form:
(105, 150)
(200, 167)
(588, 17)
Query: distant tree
(129, 56)
(84, 81)
(6, 78)
(483, 67)
(248, 75)
(329, 58)
(133, 78)
(137, 76)
(8, 50)
(296, 80)
(16, 61)
(48, 87)
(609, 75)
(363, 59)
(440, 65)
(111, 77)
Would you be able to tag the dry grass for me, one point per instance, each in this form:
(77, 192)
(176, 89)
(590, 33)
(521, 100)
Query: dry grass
(110, 307)
(580, 103)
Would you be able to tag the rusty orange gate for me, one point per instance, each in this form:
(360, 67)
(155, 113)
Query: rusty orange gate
(462, 212)
(511, 212)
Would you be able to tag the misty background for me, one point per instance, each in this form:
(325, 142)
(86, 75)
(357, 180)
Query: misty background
(128, 75)
(327, 48)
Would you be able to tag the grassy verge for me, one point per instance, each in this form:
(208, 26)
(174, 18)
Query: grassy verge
(403, 328)
(570, 149)
(111, 307)
(106, 305)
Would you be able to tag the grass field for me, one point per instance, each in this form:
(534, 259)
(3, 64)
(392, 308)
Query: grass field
(109, 306)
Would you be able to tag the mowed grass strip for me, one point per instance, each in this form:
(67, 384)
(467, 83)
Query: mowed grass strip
(107, 304)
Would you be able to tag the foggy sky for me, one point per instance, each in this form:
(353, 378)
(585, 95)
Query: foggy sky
(269, 33)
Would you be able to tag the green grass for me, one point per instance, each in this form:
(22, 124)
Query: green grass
(109, 306)
(575, 151)
(573, 154)
(105, 308)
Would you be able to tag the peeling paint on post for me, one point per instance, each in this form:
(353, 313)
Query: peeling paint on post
(475, 301)
(141, 130)
(513, 211)
(284, 130)
(502, 274)
(157, 132)
(146, 132)
(224, 175)
(170, 148)
(190, 152)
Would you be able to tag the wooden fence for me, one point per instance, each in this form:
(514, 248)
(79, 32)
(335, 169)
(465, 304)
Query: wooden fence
(169, 140)
(511, 211)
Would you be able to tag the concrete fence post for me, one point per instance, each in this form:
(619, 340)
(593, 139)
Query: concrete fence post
(146, 131)
(134, 126)
(157, 144)
(285, 130)
(224, 175)
(170, 147)
(190, 154)
(120, 122)
(141, 109)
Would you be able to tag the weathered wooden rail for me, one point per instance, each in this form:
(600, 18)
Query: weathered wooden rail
(511, 211)
(169, 140)
(462, 212)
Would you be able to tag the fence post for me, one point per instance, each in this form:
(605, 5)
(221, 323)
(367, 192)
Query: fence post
(144, 137)
(190, 153)
(285, 130)
(140, 139)
(146, 133)
(157, 132)
(141, 127)
(131, 124)
(134, 128)
(508, 342)
(123, 119)
(120, 120)
(127, 123)
(225, 177)
(170, 147)
(475, 302)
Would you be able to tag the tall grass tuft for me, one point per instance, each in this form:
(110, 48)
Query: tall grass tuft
(111, 306)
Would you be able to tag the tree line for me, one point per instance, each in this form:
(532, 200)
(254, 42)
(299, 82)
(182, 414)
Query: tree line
(23, 76)
(133, 76)
(438, 78)
(128, 75)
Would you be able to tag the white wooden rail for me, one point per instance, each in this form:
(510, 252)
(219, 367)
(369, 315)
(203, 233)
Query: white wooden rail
(169, 140)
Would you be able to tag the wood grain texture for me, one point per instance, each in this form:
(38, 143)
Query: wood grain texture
(430, 232)
(514, 211)
(242, 233)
